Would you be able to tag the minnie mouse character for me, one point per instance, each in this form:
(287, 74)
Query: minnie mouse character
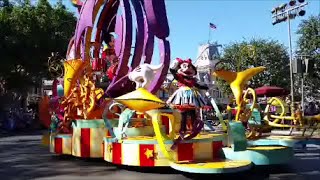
(187, 98)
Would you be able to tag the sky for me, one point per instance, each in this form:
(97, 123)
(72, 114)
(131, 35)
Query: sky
(236, 20)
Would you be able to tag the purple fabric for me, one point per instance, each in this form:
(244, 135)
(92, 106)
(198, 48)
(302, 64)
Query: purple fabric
(85, 20)
(164, 48)
(157, 17)
(139, 43)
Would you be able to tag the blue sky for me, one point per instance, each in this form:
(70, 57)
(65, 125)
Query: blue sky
(235, 20)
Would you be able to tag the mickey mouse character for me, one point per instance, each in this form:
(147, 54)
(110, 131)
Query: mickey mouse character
(187, 98)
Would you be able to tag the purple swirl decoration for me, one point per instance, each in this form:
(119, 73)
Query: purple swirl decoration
(149, 20)
(139, 35)
(85, 21)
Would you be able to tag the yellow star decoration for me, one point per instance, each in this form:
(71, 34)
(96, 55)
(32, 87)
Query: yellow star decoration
(109, 147)
(150, 154)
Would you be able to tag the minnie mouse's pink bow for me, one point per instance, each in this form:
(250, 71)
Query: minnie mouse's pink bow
(189, 61)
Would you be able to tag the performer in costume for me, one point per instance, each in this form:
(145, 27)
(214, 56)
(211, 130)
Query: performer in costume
(108, 49)
(187, 98)
(110, 57)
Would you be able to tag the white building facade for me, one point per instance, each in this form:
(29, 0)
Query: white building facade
(207, 57)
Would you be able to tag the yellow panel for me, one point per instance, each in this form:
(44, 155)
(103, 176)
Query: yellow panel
(266, 148)
(76, 142)
(202, 151)
(96, 138)
(66, 145)
(52, 143)
(161, 160)
(222, 164)
(108, 152)
(131, 154)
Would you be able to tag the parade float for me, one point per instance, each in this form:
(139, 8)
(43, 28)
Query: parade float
(117, 116)
(255, 121)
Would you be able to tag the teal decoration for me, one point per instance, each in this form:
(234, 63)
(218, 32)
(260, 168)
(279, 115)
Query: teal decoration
(65, 136)
(210, 168)
(237, 136)
(261, 155)
(104, 78)
(295, 143)
(54, 123)
(218, 113)
(107, 122)
(124, 121)
(255, 117)
(60, 90)
(84, 123)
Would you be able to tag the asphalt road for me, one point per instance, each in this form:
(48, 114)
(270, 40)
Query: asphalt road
(22, 158)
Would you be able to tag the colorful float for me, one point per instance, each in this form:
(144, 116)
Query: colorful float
(108, 110)
(255, 121)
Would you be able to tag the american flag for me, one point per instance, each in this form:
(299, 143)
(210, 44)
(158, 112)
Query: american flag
(212, 26)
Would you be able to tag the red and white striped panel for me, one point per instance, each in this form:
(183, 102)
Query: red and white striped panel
(150, 155)
(61, 144)
(86, 142)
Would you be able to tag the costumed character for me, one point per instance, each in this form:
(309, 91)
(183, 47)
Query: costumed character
(187, 98)
(54, 123)
(144, 74)
(111, 72)
(109, 57)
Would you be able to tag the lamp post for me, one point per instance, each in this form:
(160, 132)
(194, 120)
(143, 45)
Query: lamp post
(303, 67)
(286, 12)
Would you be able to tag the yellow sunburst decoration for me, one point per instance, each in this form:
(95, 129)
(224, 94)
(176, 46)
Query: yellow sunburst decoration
(140, 100)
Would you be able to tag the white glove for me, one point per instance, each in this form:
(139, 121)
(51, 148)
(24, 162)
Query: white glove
(174, 64)
(207, 94)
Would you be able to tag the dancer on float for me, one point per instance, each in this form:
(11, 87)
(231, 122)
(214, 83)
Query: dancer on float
(109, 55)
(187, 98)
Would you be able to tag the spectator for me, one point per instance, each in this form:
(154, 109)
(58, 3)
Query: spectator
(311, 109)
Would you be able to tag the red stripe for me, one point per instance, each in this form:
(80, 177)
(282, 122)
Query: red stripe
(185, 152)
(165, 122)
(216, 149)
(108, 133)
(116, 153)
(144, 160)
(58, 145)
(85, 142)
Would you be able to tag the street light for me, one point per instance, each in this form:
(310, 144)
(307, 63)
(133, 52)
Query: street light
(286, 13)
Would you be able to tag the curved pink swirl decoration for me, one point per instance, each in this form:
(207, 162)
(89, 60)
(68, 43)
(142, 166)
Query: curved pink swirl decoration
(117, 16)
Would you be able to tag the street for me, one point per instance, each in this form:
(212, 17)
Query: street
(22, 157)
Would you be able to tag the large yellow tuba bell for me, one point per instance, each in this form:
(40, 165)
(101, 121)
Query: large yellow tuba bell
(72, 71)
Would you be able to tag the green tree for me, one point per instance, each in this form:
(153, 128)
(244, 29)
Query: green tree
(254, 53)
(309, 44)
(29, 33)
